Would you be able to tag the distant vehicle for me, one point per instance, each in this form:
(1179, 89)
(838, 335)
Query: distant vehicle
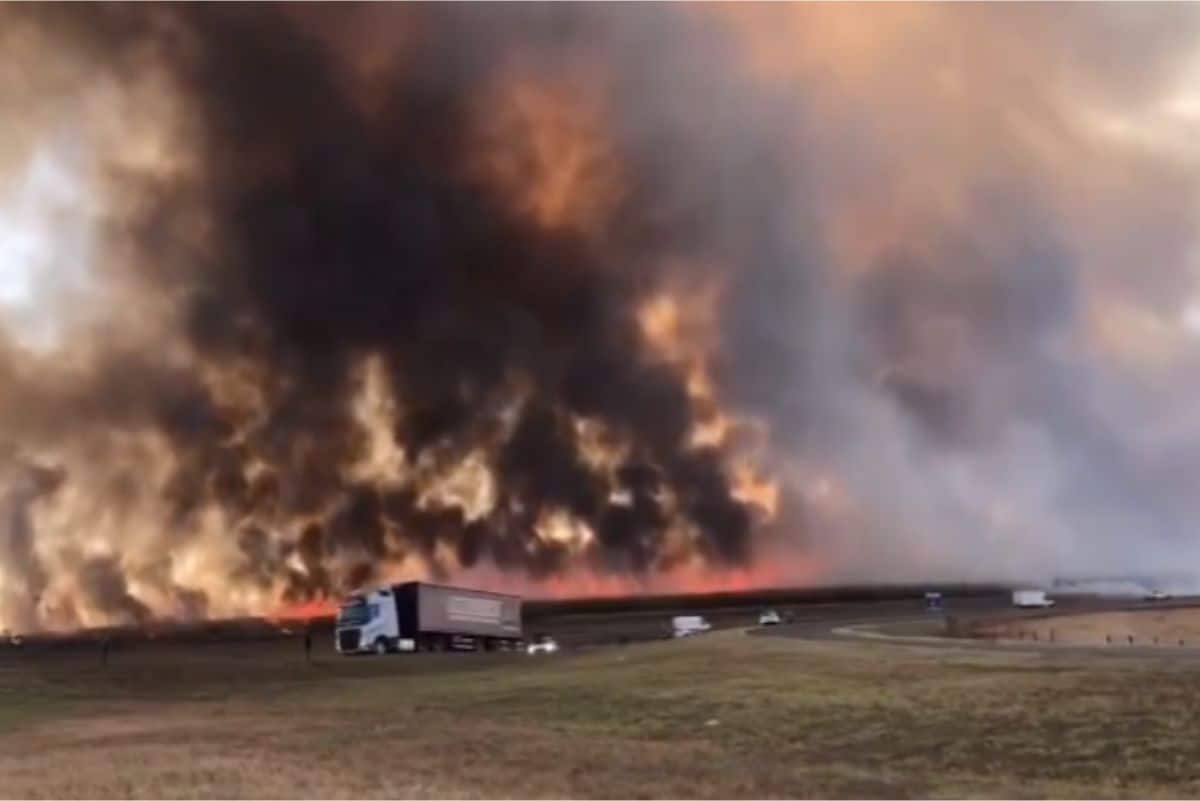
(416, 616)
(542, 645)
(687, 625)
(1031, 599)
(1156, 595)
(769, 618)
(933, 602)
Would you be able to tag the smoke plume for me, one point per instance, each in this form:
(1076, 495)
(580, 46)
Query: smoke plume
(584, 299)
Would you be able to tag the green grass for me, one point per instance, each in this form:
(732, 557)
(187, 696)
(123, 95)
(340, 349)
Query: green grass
(720, 716)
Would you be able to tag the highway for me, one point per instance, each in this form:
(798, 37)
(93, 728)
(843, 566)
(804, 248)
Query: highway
(906, 623)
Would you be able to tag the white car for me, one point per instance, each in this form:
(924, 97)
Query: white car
(544, 645)
(769, 618)
(688, 625)
(1157, 595)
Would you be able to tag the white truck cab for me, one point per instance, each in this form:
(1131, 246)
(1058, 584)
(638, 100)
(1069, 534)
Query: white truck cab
(366, 623)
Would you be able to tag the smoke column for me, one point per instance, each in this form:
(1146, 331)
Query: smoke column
(588, 299)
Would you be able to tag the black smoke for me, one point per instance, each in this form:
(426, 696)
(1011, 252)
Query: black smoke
(345, 216)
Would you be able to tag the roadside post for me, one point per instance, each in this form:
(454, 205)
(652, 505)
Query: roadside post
(934, 603)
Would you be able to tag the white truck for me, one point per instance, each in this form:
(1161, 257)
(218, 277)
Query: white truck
(1031, 599)
(417, 616)
(687, 625)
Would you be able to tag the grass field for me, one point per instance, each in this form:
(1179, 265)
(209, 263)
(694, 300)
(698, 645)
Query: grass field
(1145, 627)
(725, 715)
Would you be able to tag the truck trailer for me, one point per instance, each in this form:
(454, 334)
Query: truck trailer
(416, 616)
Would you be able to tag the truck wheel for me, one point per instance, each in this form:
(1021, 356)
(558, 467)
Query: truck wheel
(381, 646)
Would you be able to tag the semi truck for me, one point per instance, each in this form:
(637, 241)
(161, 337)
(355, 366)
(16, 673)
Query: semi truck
(418, 616)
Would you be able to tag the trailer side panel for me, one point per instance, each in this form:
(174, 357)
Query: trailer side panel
(453, 610)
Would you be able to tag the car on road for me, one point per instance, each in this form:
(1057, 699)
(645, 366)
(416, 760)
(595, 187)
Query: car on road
(769, 618)
(1031, 599)
(1156, 595)
(689, 625)
(542, 645)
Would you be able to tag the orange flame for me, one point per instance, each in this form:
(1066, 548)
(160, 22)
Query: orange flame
(304, 610)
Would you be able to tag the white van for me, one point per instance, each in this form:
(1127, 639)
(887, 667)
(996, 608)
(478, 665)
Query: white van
(687, 625)
(1031, 599)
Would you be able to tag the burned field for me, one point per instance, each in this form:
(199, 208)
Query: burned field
(721, 715)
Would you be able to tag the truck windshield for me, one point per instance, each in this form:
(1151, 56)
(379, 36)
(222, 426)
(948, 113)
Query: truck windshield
(354, 613)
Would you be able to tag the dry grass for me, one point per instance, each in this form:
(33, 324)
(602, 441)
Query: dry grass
(791, 719)
(1164, 627)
